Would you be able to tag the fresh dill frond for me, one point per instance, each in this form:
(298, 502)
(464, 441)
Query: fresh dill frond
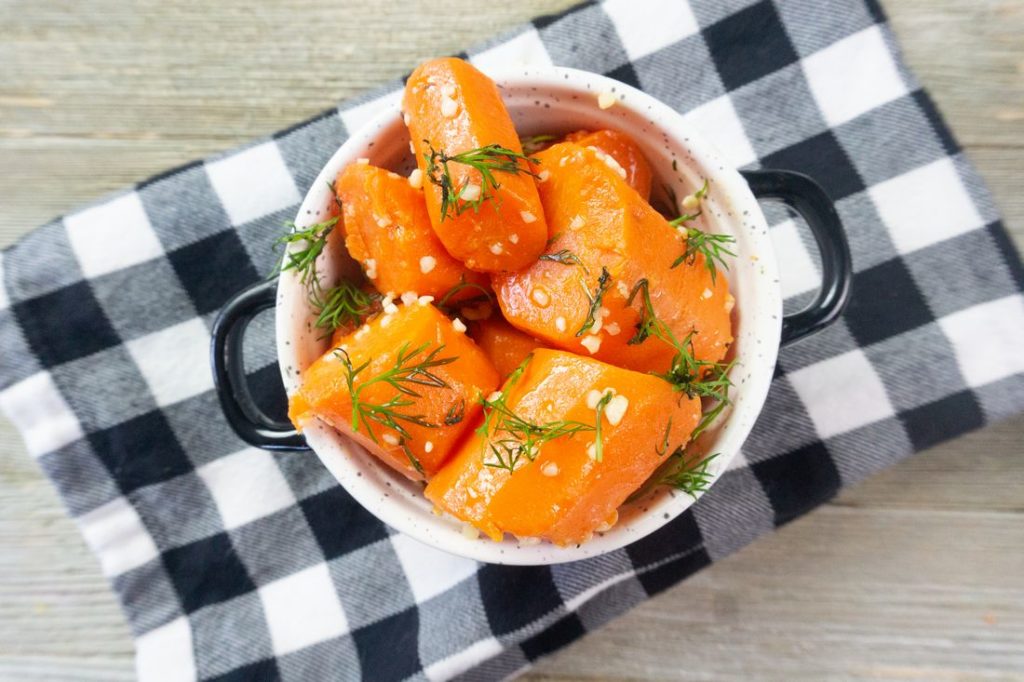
(303, 260)
(598, 438)
(711, 246)
(486, 161)
(604, 281)
(412, 371)
(343, 305)
(565, 257)
(455, 414)
(690, 476)
(662, 448)
(696, 378)
(534, 143)
(412, 458)
(445, 304)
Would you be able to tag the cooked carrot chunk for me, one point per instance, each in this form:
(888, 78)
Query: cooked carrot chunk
(626, 153)
(405, 386)
(571, 484)
(505, 345)
(605, 240)
(388, 231)
(452, 109)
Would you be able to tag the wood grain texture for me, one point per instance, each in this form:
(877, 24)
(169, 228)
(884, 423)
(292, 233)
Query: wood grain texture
(916, 573)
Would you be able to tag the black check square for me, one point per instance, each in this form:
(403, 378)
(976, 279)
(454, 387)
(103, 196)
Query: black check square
(206, 572)
(553, 638)
(140, 452)
(389, 647)
(798, 481)
(65, 325)
(749, 44)
(822, 158)
(502, 589)
(886, 302)
(340, 524)
(260, 671)
(213, 270)
(941, 420)
(680, 539)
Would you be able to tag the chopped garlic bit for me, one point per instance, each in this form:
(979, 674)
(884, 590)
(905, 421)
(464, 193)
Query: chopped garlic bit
(371, 268)
(416, 178)
(595, 328)
(540, 297)
(390, 308)
(612, 329)
(469, 532)
(513, 238)
(730, 303)
(622, 288)
(543, 176)
(363, 331)
(592, 450)
(427, 263)
(497, 249)
(385, 320)
(428, 447)
(449, 107)
(458, 325)
(528, 542)
(362, 161)
(412, 149)
(603, 311)
(473, 494)
(383, 221)
(527, 217)
(591, 343)
(549, 469)
(605, 100)
(493, 396)
(577, 222)
(616, 409)
(707, 293)
(409, 297)
(562, 161)
(690, 202)
(594, 396)
(448, 90)
(425, 300)
(405, 118)
(608, 523)
(390, 438)
(560, 323)
(470, 192)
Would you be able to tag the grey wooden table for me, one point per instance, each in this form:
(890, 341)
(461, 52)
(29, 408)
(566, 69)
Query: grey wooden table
(917, 573)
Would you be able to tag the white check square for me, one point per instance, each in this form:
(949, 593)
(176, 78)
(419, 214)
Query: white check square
(430, 571)
(164, 654)
(842, 393)
(641, 36)
(36, 406)
(525, 49)
(253, 183)
(115, 533)
(988, 339)
(925, 206)
(112, 236)
(356, 117)
(246, 485)
(853, 76)
(173, 361)
(799, 274)
(718, 120)
(302, 609)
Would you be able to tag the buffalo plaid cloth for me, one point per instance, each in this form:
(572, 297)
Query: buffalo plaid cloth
(233, 563)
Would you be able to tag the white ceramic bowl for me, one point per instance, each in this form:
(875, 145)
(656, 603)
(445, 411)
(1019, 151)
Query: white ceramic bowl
(558, 100)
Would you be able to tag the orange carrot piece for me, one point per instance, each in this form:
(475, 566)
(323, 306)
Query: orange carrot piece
(388, 231)
(626, 153)
(433, 420)
(563, 494)
(454, 108)
(505, 345)
(600, 224)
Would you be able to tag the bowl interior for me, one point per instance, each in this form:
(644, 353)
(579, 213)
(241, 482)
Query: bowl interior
(553, 100)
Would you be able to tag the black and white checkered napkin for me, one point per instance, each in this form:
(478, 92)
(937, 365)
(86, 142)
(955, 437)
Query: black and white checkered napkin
(234, 563)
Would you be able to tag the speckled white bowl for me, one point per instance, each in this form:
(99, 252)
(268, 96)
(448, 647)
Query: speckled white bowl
(557, 100)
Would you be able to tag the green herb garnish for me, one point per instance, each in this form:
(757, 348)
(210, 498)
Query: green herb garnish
(691, 476)
(345, 304)
(486, 161)
(711, 246)
(303, 260)
(599, 412)
(604, 281)
(455, 414)
(446, 306)
(563, 256)
(412, 370)
(534, 143)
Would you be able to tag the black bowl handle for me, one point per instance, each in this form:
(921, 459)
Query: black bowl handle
(807, 198)
(241, 411)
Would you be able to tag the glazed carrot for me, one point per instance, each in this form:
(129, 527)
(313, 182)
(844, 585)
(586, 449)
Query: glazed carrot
(626, 153)
(505, 345)
(451, 108)
(388, 231)
(606, 240)
(570, 488)
(416, 381)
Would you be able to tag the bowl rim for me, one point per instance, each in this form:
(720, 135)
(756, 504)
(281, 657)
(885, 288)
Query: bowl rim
(732, 189)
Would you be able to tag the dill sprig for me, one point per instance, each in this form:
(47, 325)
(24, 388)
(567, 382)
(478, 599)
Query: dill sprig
(456, 413)
(412, 370)
(604, 281)
(598, 438)
(689, 475)
(696, 378)
(711, 246)
(445, 304)
(565, 257)
(303, 260)
(534, 143)
(487, 161)
(509, 437)
(344, 304)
